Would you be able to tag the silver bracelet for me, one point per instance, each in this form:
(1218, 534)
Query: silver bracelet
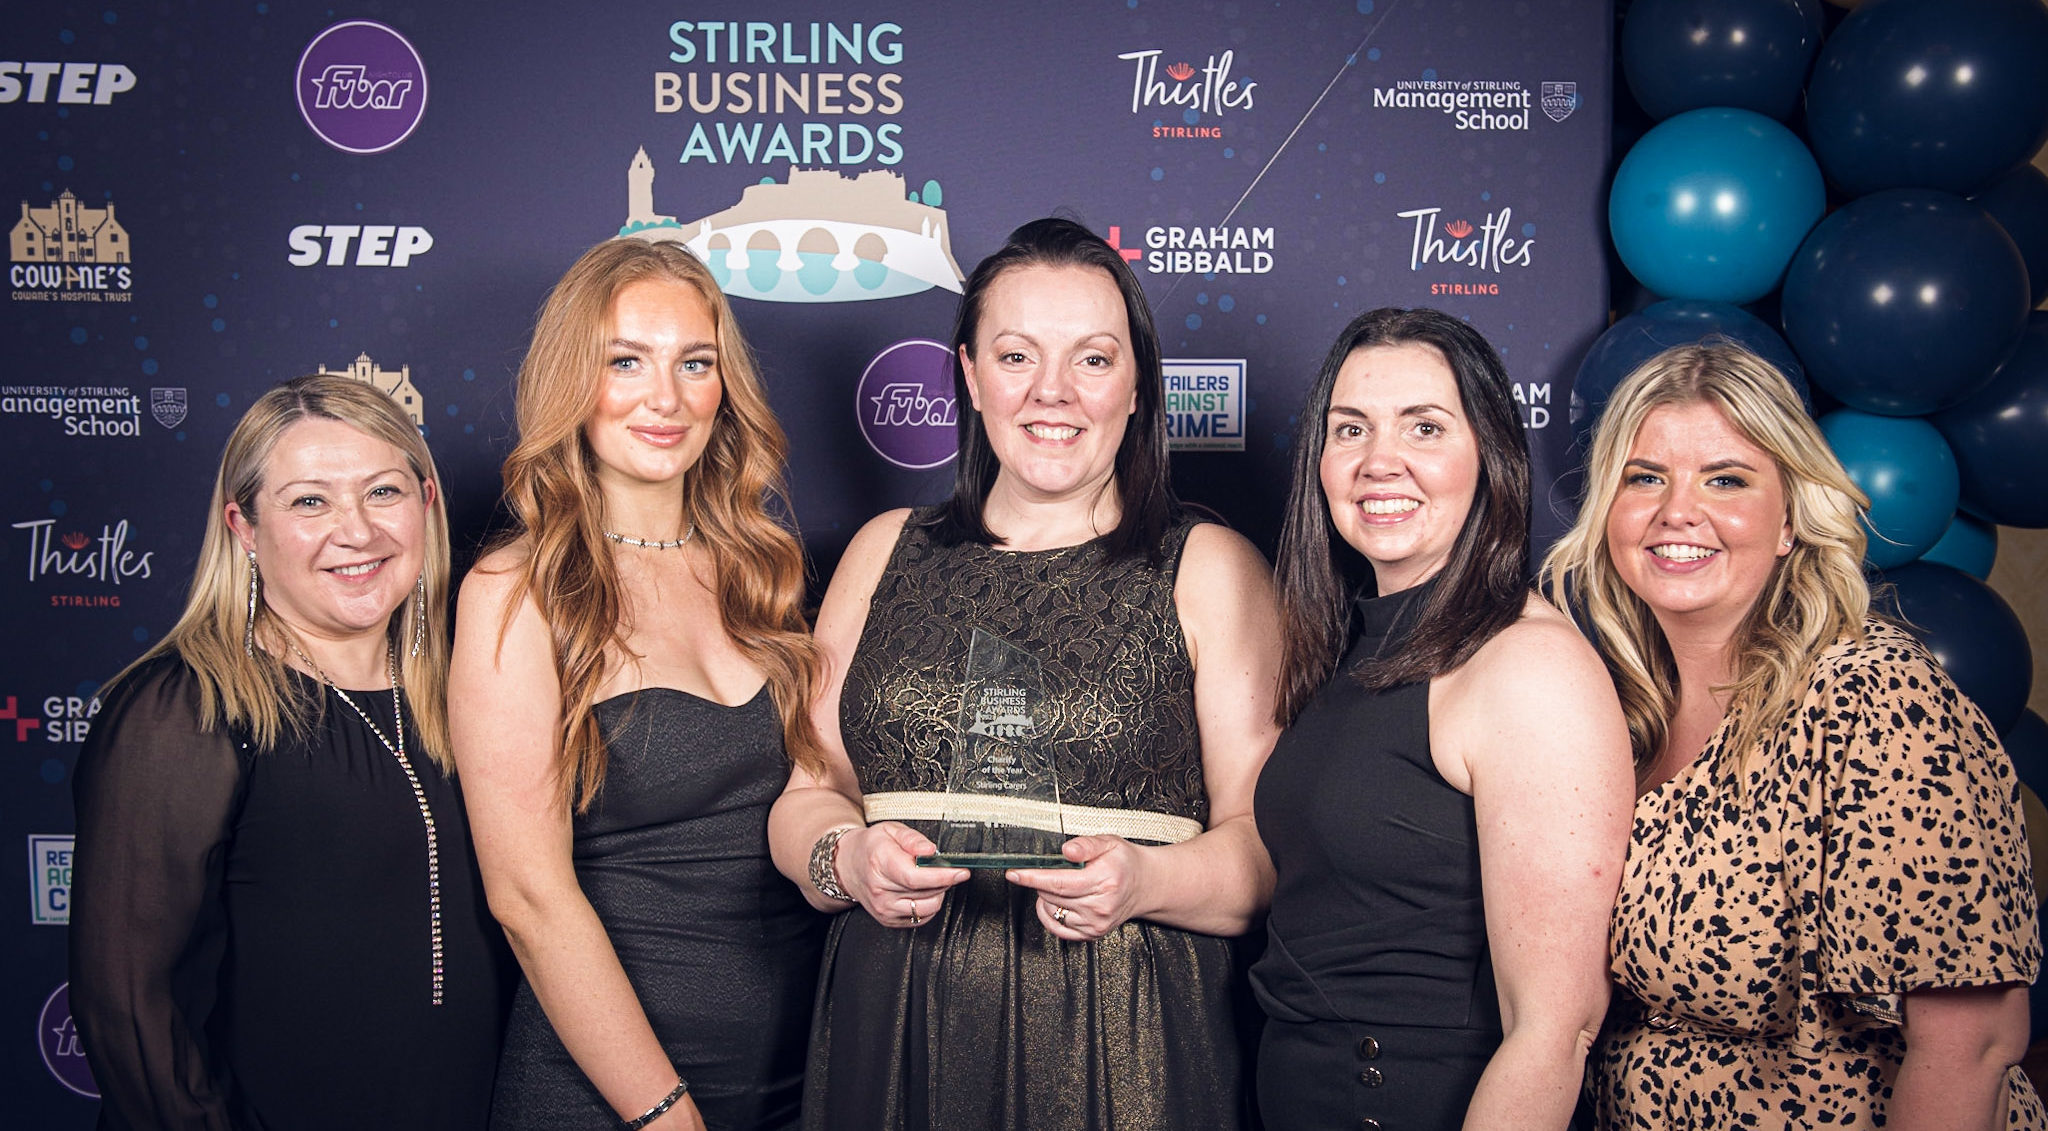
(824, 872)
(658, 1110)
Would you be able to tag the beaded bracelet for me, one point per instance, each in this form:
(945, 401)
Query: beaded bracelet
(658, 1110)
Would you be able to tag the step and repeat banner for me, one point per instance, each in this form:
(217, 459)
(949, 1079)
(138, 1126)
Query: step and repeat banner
(208, 198)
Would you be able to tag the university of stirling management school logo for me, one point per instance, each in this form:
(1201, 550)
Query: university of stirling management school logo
(167, 406)
(1559, 100)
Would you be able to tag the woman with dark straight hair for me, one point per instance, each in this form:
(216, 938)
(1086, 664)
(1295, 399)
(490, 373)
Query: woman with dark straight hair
(1448, 810)
(1095, 996)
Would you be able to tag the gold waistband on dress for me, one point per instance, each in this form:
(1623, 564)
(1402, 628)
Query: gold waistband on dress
(1017, 812)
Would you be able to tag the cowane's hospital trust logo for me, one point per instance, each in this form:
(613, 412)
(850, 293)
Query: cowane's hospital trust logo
(362, 87)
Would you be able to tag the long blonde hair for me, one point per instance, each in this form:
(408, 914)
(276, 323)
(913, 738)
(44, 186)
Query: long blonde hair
(1816, 594)
(252, 692)
(551, 487)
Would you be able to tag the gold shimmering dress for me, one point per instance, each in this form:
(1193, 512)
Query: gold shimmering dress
(979, 1018)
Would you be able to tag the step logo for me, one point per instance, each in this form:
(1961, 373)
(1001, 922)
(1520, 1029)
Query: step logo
(362, 87)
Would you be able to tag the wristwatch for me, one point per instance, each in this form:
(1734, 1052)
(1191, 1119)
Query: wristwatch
(824, 873)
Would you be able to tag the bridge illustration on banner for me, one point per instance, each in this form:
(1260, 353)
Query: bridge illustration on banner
(818, 237)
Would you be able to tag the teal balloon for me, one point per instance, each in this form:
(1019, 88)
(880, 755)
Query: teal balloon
(1906, 468)
(1711, 204)
(1970, 544)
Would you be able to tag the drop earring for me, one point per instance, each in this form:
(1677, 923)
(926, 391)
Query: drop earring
(419, 615)
(249, 629)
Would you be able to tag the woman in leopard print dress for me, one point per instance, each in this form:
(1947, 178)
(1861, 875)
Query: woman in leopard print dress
(1827, 918)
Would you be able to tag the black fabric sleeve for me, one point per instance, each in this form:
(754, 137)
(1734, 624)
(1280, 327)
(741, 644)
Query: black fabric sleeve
(156, 798)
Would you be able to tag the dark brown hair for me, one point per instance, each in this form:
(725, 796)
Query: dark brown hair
(1483, 585)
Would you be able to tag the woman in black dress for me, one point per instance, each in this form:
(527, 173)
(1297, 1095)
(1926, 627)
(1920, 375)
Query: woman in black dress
(1088, 999)
(629, 690)
(1448, 811)
(277, 921)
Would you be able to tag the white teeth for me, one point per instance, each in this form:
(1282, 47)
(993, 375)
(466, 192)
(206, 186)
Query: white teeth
(1049, 432)
(356, 570)
(1387, 506)
(1683, 553)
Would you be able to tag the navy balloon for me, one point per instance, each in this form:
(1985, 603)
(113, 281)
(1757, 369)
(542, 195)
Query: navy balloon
(2019, 202)
(1972, 631)
(1970, 544)
(1648, 332)
(1944, 94)
(1905, 467)
(1905, 302)
(2000, 436)
(1682, 55)
(2027, 743)
(1712, 203)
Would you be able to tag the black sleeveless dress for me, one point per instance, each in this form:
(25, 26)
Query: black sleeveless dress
(980, 1019)
(721, 949)
(1376, 981)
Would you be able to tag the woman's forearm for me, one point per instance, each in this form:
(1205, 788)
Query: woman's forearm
(1532, 1082)
(1217, 883)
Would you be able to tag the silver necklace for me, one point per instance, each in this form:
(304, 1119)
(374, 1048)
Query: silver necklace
(419, 795)
(672, 544)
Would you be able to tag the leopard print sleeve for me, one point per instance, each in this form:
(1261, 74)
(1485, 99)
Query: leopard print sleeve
(1924, 878)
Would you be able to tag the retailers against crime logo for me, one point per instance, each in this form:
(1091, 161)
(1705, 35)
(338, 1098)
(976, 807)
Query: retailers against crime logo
(362, 87)
(1189, 92)
(69, 251)
(49, 878)
(906, 405)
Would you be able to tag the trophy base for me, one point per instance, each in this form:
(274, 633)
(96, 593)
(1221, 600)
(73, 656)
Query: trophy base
(995, 860)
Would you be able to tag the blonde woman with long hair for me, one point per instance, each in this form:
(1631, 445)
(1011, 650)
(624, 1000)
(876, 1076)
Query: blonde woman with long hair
(275, 891)
(1826, 918)
(628, 694)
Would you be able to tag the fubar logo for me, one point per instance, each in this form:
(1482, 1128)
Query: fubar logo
(906, 405)
(69, 252)
(1213, 95)
(57, 1037)
(77, 84)
(362, 87)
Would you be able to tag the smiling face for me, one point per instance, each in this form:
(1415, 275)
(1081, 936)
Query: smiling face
(1400, 461)
(1054, 377)
(1700, 520)
(338, 526)
(661, 385)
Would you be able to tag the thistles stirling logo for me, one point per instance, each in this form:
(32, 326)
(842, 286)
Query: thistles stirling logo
(1211, 95)
(77, 554)
(362, 87)
(1487, 247)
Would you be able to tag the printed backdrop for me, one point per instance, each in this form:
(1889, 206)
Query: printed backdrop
(214, 197)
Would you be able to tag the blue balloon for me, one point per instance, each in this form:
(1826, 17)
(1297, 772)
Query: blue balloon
(1971, 630)
(1940, 94)
(2000, 436)
(1905, 467)
(2019, 202)
(1682, 55)
(1905, 302)
(1970, 544)
(2027, 743)
(1712, 203)
(1645, 334)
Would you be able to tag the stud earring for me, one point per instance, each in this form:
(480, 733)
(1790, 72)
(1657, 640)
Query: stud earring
(249, 628)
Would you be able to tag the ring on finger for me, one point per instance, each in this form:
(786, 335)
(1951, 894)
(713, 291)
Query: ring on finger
(1059, 915)
(914, 920)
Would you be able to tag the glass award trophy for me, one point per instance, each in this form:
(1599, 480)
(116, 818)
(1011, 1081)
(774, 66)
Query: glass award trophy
(1002, 800)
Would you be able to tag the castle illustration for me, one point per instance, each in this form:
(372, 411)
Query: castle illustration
(858, 225)
(68, 232)
(397, 385)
